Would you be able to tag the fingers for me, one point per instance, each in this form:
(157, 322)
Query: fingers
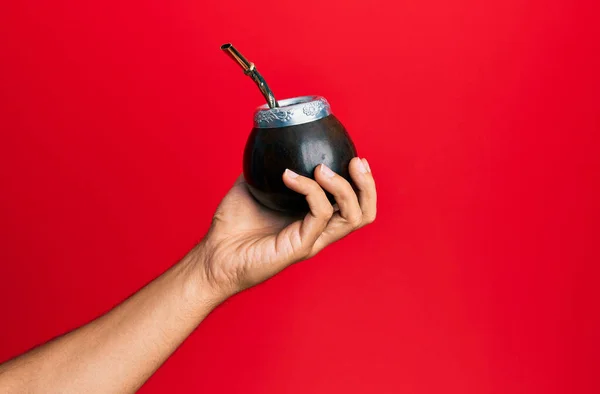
(322, 226)
(320, 209)
(345, 197)
(360, 171)
(355, 211)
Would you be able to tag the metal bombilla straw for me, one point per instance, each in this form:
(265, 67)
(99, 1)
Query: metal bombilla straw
(251, 71)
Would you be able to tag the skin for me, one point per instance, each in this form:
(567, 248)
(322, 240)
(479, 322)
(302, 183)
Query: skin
(246, 245)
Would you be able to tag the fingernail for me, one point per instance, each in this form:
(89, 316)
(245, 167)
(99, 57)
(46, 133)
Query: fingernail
(291, 173)
(361, 166)
(366, 163)
(327, 171)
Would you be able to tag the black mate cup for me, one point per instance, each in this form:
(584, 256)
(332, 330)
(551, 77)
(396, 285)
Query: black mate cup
(299, 134)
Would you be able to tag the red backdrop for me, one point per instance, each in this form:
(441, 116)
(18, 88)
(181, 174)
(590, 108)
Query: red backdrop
(480, 120)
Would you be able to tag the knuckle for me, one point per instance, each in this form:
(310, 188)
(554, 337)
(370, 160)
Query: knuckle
(368, 219)
(300, 249)
(304, 252)
(326, 211)
(329, 210)
(355, 221)
(320, 208)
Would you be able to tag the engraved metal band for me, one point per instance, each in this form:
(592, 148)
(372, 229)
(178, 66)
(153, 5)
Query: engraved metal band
(291, 112)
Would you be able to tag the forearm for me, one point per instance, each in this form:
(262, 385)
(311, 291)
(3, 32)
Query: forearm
(119, 351)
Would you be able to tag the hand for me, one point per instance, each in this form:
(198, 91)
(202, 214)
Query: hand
(248, 243)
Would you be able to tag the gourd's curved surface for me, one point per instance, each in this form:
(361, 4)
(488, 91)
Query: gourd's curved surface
(300, 148)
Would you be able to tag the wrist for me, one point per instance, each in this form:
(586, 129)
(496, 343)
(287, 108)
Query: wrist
(206, 287)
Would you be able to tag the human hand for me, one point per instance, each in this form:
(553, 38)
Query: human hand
(248, 243)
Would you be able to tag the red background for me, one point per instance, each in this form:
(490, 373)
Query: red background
(122, 125)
